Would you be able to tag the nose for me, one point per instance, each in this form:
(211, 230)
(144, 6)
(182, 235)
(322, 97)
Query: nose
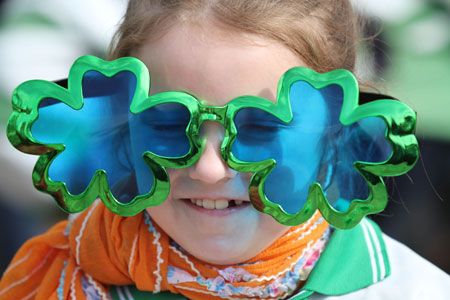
(210, 168)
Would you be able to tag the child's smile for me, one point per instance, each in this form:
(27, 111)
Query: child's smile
(218, 204)
(208, 210)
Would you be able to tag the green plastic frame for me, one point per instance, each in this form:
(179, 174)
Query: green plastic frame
(399, 118)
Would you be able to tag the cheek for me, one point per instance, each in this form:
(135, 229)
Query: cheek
(175, 178)
(165, 210)
(270, 228)
(159, 212)
(165, 215)
(174, 174)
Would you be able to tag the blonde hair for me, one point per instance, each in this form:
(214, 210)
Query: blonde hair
(322, 32)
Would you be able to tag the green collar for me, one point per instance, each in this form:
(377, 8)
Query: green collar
(360, 256)
(132, 293)
(352, 260)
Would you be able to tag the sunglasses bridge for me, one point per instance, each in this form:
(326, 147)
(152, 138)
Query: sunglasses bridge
(217, 114)
(213, 113)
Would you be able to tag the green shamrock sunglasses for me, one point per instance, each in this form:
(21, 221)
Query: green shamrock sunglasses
(104, 137)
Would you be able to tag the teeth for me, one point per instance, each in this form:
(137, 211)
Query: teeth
(215, 204)
(208, 204)
(221, 204)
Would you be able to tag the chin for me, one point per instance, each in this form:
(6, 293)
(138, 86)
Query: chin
(227, 255)
(215, 237)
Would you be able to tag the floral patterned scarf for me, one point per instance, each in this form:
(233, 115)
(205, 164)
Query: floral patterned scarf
(100, 249)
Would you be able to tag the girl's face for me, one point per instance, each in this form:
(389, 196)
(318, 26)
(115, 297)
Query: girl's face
(215, 65)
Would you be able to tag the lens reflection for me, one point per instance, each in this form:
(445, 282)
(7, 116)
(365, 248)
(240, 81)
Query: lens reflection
(161, 130)
(313, 147)
(297, 146)
(96, 137)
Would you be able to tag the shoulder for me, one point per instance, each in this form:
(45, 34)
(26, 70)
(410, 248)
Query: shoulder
(411, 277)
(414, 276)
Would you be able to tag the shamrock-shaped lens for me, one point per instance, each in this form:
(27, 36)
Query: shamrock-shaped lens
(105, 135)
(96, 137)
(314, 147)
(161, 130)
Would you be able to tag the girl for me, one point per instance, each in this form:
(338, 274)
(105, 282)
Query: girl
(205, 241)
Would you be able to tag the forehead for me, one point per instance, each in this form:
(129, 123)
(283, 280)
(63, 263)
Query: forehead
(216, 64)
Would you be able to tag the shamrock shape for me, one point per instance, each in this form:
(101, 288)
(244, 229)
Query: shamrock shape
(32, 96)
(400, 127)
(38, 103)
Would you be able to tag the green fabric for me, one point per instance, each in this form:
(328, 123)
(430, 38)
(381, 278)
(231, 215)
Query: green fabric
(348, 252)
(418, 76)
(352, 260)
(28, 19)
(140, 295)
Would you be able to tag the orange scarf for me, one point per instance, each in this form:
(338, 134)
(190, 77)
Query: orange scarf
(102, 249)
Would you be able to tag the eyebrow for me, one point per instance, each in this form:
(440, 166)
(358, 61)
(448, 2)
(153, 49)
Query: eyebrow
(364, 97)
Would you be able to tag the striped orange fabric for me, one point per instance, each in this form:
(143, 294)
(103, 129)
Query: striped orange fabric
(105, 249)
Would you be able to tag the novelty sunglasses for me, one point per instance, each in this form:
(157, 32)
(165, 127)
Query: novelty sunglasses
(104, 136)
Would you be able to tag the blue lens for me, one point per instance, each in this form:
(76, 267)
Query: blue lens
(313, 147)
(161, 130)
(363, 141)
(96, 137)
(105, 135)
(297, 146)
